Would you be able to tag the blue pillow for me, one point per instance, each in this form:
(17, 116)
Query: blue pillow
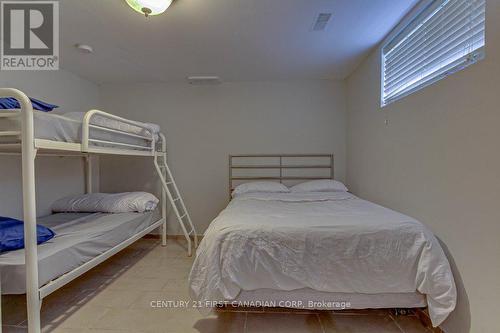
(12, 234)
(12, 103)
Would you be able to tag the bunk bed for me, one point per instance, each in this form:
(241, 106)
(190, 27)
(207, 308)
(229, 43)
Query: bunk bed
(39, 270)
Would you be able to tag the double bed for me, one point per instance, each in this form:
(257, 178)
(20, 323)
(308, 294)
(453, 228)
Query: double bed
(321, 250)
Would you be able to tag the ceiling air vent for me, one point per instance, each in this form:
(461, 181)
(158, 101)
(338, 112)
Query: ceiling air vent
(204, 80)
(321, 21)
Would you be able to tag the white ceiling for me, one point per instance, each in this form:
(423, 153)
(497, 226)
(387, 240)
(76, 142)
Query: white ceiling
(235, 39)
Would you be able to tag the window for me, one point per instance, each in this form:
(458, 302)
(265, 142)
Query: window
(445, 37)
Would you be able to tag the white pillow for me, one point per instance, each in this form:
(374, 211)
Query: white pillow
(107, 203)
(320, 185)
(252, 187)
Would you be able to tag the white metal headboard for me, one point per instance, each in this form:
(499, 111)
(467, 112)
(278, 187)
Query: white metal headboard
(277, 167)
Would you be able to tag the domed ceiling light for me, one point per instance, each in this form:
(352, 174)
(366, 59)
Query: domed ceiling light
(149, 7)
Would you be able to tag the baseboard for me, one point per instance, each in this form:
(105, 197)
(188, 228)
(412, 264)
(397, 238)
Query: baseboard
(423, 316)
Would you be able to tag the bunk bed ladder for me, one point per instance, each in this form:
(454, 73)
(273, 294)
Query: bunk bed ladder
(174, 196)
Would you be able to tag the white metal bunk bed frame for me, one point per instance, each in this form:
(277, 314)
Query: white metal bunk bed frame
(30, 147)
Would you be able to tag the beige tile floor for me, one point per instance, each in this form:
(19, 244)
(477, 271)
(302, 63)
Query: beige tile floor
(116, 296)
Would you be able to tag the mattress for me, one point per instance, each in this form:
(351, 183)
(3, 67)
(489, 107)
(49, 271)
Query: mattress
(307, 298)
(67, 127)
(79, 238)
(327, 242)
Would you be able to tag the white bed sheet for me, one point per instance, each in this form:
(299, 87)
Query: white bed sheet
(67, 127)
(79, 238)
(329, 242)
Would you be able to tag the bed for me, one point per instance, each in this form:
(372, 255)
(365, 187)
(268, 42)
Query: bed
(271, 247)
(79, 238)
(31, 134)
(67, 127)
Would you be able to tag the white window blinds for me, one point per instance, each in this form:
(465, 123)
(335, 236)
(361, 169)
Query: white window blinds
(445, 37)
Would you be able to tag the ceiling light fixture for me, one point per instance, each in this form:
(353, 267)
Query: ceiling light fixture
(149, 7)
(204, 80)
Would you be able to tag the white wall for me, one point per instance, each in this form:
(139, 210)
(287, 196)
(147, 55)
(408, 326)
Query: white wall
(56, 177)
(438, 160)
(204, 124)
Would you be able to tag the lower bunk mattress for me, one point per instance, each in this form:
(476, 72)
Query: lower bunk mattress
(79, 238)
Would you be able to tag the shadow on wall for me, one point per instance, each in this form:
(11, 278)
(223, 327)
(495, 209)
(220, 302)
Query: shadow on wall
(128, 173)
(132, 173)
(459, 320)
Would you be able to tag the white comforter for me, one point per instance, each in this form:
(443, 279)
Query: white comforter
(332, 242)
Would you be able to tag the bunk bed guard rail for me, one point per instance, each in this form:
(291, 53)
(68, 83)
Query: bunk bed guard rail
(95, 145)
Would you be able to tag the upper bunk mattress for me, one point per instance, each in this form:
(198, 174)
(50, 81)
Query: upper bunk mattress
(79, 238)
(67, 127)
(328, 242)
